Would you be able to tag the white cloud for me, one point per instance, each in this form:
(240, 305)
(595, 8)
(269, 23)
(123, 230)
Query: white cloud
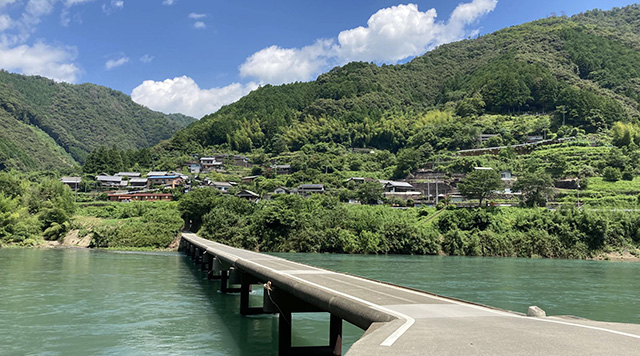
(113, 63)
(183, 95)
(69, 3)
(278, 65)
(112, 6)
(4, 3)
(391, 35)
(5, 22)
(169, 2)
(41, 59)
(197, 16)
(146, 58)
(200, 25)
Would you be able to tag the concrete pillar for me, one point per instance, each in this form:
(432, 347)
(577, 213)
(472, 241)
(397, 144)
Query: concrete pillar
(245, 290)
(197, 256)
(206, 261)
(284, 334)
(335, 335)
(286, 304)
(224, 283)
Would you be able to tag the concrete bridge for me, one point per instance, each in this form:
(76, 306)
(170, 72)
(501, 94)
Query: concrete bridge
(397, 320)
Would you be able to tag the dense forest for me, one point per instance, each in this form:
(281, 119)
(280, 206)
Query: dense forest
(582, 71)
(47, 125)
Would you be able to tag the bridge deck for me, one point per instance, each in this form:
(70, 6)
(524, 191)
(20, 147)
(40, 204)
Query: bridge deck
(402, 321)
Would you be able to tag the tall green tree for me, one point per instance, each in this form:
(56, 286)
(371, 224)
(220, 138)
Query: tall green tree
(536, 188)
(480, 184)
(370, 192)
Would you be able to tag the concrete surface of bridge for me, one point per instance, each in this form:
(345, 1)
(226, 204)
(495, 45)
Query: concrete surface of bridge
(398, 320)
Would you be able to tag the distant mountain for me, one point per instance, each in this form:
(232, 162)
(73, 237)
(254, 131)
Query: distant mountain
(585, 68)
(48, 125)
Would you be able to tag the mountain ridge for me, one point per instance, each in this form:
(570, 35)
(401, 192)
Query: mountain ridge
(77, 117)
(588, 65)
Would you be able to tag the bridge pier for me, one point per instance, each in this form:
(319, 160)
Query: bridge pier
(225, 284)
(206, 261)
(245, 290)
(286, 305)
(274, 301)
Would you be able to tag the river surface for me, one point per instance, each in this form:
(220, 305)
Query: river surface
(82, 302)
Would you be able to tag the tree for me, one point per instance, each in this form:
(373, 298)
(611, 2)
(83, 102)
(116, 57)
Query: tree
(536, 188)
(370, 192)
(195, 204)
(480, 183)
(611, 174)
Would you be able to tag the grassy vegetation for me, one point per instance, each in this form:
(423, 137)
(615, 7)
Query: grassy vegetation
(133, 225)
(322, 224)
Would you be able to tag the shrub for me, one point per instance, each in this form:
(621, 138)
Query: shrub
(611, 174)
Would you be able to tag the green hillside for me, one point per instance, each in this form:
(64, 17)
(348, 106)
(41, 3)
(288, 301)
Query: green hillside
(585, 68)
(49, 125)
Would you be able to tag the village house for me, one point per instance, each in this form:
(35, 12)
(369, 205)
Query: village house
(209, 164)
(281, 168)
(127, 197)
(247, 194)
(129, 174)
(285, 190)
(111, 181)
(72, 182)
(167, 180)
(534, 138)
(160, 173)
(359, 180)
(138, 183)
(307, 189)
(194, 168)
(506, 175)
(396, 187)
(248, 179)
(222, 186)
(400, 190)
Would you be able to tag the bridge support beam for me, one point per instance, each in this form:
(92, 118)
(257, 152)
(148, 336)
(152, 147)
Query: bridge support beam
(245, 290)
(286, 305)
(225, 286)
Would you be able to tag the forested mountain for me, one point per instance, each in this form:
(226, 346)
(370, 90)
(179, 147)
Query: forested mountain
(584, 69)
(48, 125)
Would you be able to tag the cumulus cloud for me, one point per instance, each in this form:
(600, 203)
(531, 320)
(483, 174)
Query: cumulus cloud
(41, 59)
(113, 63)
(391, 35)
(183, 95)
(169, 2)
(278, 65)
(200, 25)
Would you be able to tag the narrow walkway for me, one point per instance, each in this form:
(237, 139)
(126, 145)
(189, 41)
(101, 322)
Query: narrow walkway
(402, 321)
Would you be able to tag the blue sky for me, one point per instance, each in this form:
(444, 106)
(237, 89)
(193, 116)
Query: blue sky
(192, 56)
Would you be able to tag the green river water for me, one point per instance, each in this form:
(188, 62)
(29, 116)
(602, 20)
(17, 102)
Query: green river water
(82, 302)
